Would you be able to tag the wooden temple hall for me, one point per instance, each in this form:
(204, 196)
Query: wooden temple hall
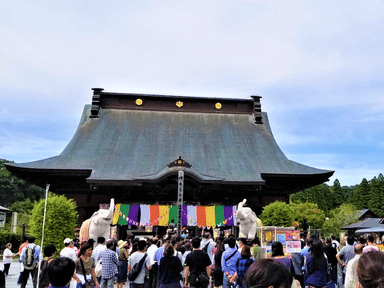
(131, 146)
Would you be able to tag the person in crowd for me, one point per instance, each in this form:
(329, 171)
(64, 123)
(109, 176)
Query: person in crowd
(351, 280)
(345, 255)
(24, 244)
(242, 266)
(109, 267)
(7, 258)
(256, 249)
(370, 270)
(228, 262)
(268, 273)
(297, 261)
(76, 246)
(170, 268)
(218, 271)
(31, 269)
(361, 240)
(188, 249)
(99, 248)
(331, 253)
(60, 272)
(308, 243)
(335, 243)
(207, 244)
(278, 255)
(371, 246)
(175, 243)
(68, 250)
(305, 227)
(196, 263)
(151, 255)
(123, 264)
(49, 254)
(316, 267)
(135, 258)
(85, 275)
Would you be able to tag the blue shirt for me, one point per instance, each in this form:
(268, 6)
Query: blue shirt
(37, 252)
(230, 265)
(109, 267)
(159, 254)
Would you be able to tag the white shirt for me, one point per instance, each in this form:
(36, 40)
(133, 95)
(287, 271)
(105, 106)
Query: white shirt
(351, 279)
(151, 252)
(69, 253)
(7, 256)
(97, 251)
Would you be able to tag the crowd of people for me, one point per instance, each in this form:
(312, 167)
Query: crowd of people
(174, 261)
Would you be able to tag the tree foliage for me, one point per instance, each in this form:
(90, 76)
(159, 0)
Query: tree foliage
(13, 189)
(337, 193)
(341, 216)
(309, 211)
(61, 220)
(277, 214)
(320, 195)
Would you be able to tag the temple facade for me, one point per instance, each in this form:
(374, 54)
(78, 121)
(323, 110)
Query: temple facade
(131, 146)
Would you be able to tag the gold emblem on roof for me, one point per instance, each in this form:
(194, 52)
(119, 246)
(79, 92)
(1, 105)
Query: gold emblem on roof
(179, 104)
(139, 102)
(218, 105)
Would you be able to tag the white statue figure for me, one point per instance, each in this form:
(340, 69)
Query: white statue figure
(99, 224)
(248, 221)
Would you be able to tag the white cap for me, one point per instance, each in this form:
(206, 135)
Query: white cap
(67, 241)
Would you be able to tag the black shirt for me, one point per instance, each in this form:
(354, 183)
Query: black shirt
(197, 261)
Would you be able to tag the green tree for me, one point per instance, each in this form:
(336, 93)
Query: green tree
(278, 214)
(376, 197)
(61, 220)
(310, 211)
(337, 192)
(14, 189)
(341, 216)
(320, 195)
(360, 196)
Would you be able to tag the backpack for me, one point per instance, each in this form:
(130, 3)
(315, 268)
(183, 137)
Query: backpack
(205, 248)
(43, 277)
(29, 261)
(136, 269)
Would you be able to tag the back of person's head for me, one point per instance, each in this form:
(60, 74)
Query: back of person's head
(243, 241)
(169, 251)
(318, 254)
(141, 245)
(245, 252)
(84, 247)
(196, 242)
(308, 242)
(361, 240)
(328, 240)
(154, 240)
(256, 241)
(26, 238)
(207, 235)
(49, 250)
(371, 239)
(358, 248)
(188, 246)
(31, 239)
(60, 271)
(101, 240)
(350, 240)
(110, 244)
(231, 242)
(277, 249)
(333, 237)
(173, 242)
(219, 247)
(370, 270)
(268, 272)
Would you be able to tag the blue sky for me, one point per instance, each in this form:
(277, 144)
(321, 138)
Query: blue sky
(317, 64)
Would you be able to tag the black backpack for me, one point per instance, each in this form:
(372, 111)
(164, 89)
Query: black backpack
(205, 248)
(136, 269)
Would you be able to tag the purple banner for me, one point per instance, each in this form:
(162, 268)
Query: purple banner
(133, 214)
(184, 215)
(228, 215)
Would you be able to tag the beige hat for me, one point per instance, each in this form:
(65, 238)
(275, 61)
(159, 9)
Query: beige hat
(121, 243)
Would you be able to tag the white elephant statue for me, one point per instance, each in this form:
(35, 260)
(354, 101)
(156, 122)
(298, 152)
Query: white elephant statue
(248, 221)
(99, 225)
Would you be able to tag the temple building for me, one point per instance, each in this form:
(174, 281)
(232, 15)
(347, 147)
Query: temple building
(131, 146)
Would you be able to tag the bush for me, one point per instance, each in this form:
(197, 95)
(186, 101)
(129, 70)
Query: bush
(277, 214)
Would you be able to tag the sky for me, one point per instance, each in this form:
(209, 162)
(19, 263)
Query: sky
(317, 64)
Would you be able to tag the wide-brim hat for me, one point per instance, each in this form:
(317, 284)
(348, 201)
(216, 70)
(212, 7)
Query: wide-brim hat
(121, 243)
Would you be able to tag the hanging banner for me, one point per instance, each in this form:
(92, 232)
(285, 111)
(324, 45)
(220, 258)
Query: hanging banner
(154, 215)
(210, 216)
(192, 218)
(164, 215)
(200, 215)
